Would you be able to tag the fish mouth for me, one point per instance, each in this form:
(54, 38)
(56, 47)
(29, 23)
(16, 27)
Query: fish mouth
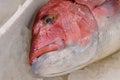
(54, 45)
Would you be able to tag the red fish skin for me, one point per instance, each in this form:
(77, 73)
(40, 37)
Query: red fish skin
(75, 24)
(107, 11)
(91, 3)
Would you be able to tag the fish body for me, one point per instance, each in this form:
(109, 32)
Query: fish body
(70, 34)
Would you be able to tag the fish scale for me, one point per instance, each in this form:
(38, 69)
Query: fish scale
(109, 37)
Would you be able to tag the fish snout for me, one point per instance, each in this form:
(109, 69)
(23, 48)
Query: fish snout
(39, 48)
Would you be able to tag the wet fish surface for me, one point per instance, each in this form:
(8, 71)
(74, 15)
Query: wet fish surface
(70, 34)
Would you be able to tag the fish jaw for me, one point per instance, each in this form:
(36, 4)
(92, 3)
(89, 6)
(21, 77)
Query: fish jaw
(54, 45)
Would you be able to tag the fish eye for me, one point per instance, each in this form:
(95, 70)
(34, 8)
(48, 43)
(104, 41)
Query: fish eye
(49, 19)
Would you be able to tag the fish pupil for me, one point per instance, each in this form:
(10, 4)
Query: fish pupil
(49, 20)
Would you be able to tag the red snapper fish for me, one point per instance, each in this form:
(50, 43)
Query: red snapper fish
(69, 34)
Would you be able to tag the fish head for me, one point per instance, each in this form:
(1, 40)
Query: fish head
(58, 25)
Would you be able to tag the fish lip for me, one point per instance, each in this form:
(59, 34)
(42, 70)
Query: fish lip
(53, 42)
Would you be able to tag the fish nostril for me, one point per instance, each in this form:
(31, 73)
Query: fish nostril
(63, 40)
